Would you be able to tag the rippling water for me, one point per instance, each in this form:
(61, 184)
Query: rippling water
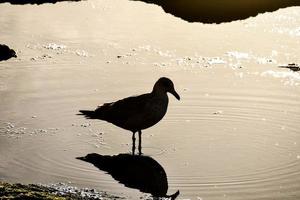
(234, 135)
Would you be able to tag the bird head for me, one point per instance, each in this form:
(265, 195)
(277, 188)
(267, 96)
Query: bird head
(165, 85)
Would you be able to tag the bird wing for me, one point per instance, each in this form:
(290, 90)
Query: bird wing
(120, 111)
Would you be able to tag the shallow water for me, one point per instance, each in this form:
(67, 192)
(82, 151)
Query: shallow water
(234, 135)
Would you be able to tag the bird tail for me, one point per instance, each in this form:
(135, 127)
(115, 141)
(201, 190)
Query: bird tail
(102, 112)
(89, 114)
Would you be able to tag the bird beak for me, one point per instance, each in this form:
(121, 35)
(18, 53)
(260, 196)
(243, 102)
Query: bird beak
(176, 95)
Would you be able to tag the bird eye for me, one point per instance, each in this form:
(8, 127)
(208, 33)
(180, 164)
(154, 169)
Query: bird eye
(167, 84)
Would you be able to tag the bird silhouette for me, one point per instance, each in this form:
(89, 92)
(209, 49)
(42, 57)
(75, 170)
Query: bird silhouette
(136, 113)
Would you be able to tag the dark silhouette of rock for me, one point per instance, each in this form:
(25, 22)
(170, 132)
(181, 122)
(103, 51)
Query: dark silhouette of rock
(136, 113)
(6, 53)
(218, 11)
(293, 66)
(22, 2)
(138, 172)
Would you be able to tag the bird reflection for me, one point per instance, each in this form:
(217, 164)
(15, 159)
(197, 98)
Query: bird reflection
(138, 172)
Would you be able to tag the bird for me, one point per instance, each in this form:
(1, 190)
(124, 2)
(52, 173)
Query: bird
(136, 113)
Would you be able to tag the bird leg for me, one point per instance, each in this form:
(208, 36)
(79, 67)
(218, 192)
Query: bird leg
(140, 142)
(133, 143)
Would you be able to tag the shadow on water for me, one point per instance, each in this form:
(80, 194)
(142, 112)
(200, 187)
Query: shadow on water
(134, 171)
(219, 11)
(22, 2)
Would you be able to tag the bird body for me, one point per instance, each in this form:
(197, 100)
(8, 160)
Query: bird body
(136, 113)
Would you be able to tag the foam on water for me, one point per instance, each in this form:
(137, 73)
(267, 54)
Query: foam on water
(289, 77)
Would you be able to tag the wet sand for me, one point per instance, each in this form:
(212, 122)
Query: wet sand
(234, 135)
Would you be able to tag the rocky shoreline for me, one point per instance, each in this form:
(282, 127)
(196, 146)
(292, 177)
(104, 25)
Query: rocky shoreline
(59, 191)
(38, 2)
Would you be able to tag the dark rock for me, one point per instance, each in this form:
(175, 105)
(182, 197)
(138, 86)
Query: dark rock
(293, 66)
(6, 53)
(22, 2)
(218, 11)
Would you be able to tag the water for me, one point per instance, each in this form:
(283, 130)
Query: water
(234, 135)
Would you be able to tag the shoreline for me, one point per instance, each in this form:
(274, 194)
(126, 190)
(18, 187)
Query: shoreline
(59, 191)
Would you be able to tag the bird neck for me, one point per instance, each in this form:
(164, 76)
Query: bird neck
(159, 92)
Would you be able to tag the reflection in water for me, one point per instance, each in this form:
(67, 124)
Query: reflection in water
(216, 11)
(139, 172)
